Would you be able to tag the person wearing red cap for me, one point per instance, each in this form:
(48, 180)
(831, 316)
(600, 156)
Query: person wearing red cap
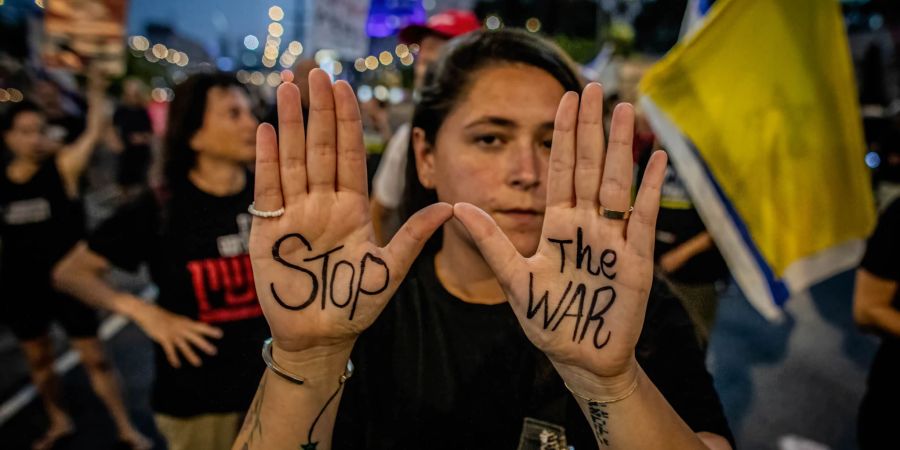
(432, 35)
(388, 184)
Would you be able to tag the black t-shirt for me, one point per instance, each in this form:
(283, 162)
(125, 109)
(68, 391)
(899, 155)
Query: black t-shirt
(66, 127)
(39, 223)
(130, 120)
(197, 253)
(133, 124)
(677, 223)
(882, 259)
(437, 372)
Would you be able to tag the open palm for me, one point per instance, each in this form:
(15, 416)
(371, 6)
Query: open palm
(320, 276)
(582, 296)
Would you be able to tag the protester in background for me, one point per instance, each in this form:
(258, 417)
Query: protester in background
(135, 137)
(455, 359)
(685, 254)
(65, 121)
(388, 184)
(192, 233)
(876, 308)
(42, 218)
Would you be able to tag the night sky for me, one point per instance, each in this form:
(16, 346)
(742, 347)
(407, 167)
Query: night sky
(205, 20)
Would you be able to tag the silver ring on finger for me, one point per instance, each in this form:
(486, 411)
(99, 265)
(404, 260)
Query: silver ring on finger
(265, 214)
(616, 215)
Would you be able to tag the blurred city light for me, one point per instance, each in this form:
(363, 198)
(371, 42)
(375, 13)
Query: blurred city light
(873, 160)
(360, 64)
(364, 93)
(275, 29)
(385, 58)
(533, 25)
(295, 48)
(251, 42)
(276, 13)
(492, 23)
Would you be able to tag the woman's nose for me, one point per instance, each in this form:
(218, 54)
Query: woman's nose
(524, 167)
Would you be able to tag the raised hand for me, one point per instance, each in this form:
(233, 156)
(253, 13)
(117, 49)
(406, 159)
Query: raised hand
(320, 277)
(176, 334)
(582, 296)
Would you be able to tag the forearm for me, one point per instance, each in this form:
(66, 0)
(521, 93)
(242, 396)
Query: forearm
(692, 247)
(699, 243)
(872, 303)
(642, 419)
(74, 157)
(87, 283)
(285, 415)
(883, 319)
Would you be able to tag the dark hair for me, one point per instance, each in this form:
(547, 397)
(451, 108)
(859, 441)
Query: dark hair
(186, 114)
(8, 118)
(449, 78)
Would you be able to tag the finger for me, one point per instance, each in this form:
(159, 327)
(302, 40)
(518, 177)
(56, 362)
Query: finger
(498, 251)
(589, 147)
(291, 142)
(267, 184)
(207, 330)
(320, 142)
(171, 356)
(562, 154)
(201, 343)
(412, 236)
(185, 349)
(641, 234)
(615, 189)
(351, 152)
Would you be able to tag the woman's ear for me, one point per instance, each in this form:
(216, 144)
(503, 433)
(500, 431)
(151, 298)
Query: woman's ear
(424, 158)
(196, 141)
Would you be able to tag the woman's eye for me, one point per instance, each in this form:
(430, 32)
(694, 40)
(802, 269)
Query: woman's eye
(548, 143)
(489, 140)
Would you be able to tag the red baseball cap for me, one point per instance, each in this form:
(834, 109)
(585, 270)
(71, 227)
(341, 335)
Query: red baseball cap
(449, 24)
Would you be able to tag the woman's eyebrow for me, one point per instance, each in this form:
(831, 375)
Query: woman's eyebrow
(492, 120)
(547, 126)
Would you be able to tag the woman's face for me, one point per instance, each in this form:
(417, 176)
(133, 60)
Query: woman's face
(493, 150)
(26, 137)
(229, 126)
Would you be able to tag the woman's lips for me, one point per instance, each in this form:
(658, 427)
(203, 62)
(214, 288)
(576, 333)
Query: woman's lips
(521, 216)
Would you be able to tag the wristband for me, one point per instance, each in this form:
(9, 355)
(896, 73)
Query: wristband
(270, 362)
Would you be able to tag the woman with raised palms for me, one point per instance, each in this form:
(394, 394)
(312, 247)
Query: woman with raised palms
(540, 248)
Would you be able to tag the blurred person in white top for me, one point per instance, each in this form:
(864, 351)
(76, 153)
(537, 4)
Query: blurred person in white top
(389, 182)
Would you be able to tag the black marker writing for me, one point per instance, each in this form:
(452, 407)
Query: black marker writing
(357, 285)
(573, 304)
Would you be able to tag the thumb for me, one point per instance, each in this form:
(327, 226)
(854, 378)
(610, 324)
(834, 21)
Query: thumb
(409, 240)
(499, 253)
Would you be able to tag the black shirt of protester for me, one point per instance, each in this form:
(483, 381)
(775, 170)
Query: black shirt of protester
(436, 372)
(133, 124)
(39, 222)
(877, 417)
(679, 222)
(196, 249)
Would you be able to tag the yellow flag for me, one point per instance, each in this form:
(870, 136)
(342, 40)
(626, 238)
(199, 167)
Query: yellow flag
(758, 110)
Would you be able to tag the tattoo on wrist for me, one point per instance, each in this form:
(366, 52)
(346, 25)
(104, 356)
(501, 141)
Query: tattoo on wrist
(253, 418)
(323, 286)
(599, 420)
(601, 300)
(310, 444)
